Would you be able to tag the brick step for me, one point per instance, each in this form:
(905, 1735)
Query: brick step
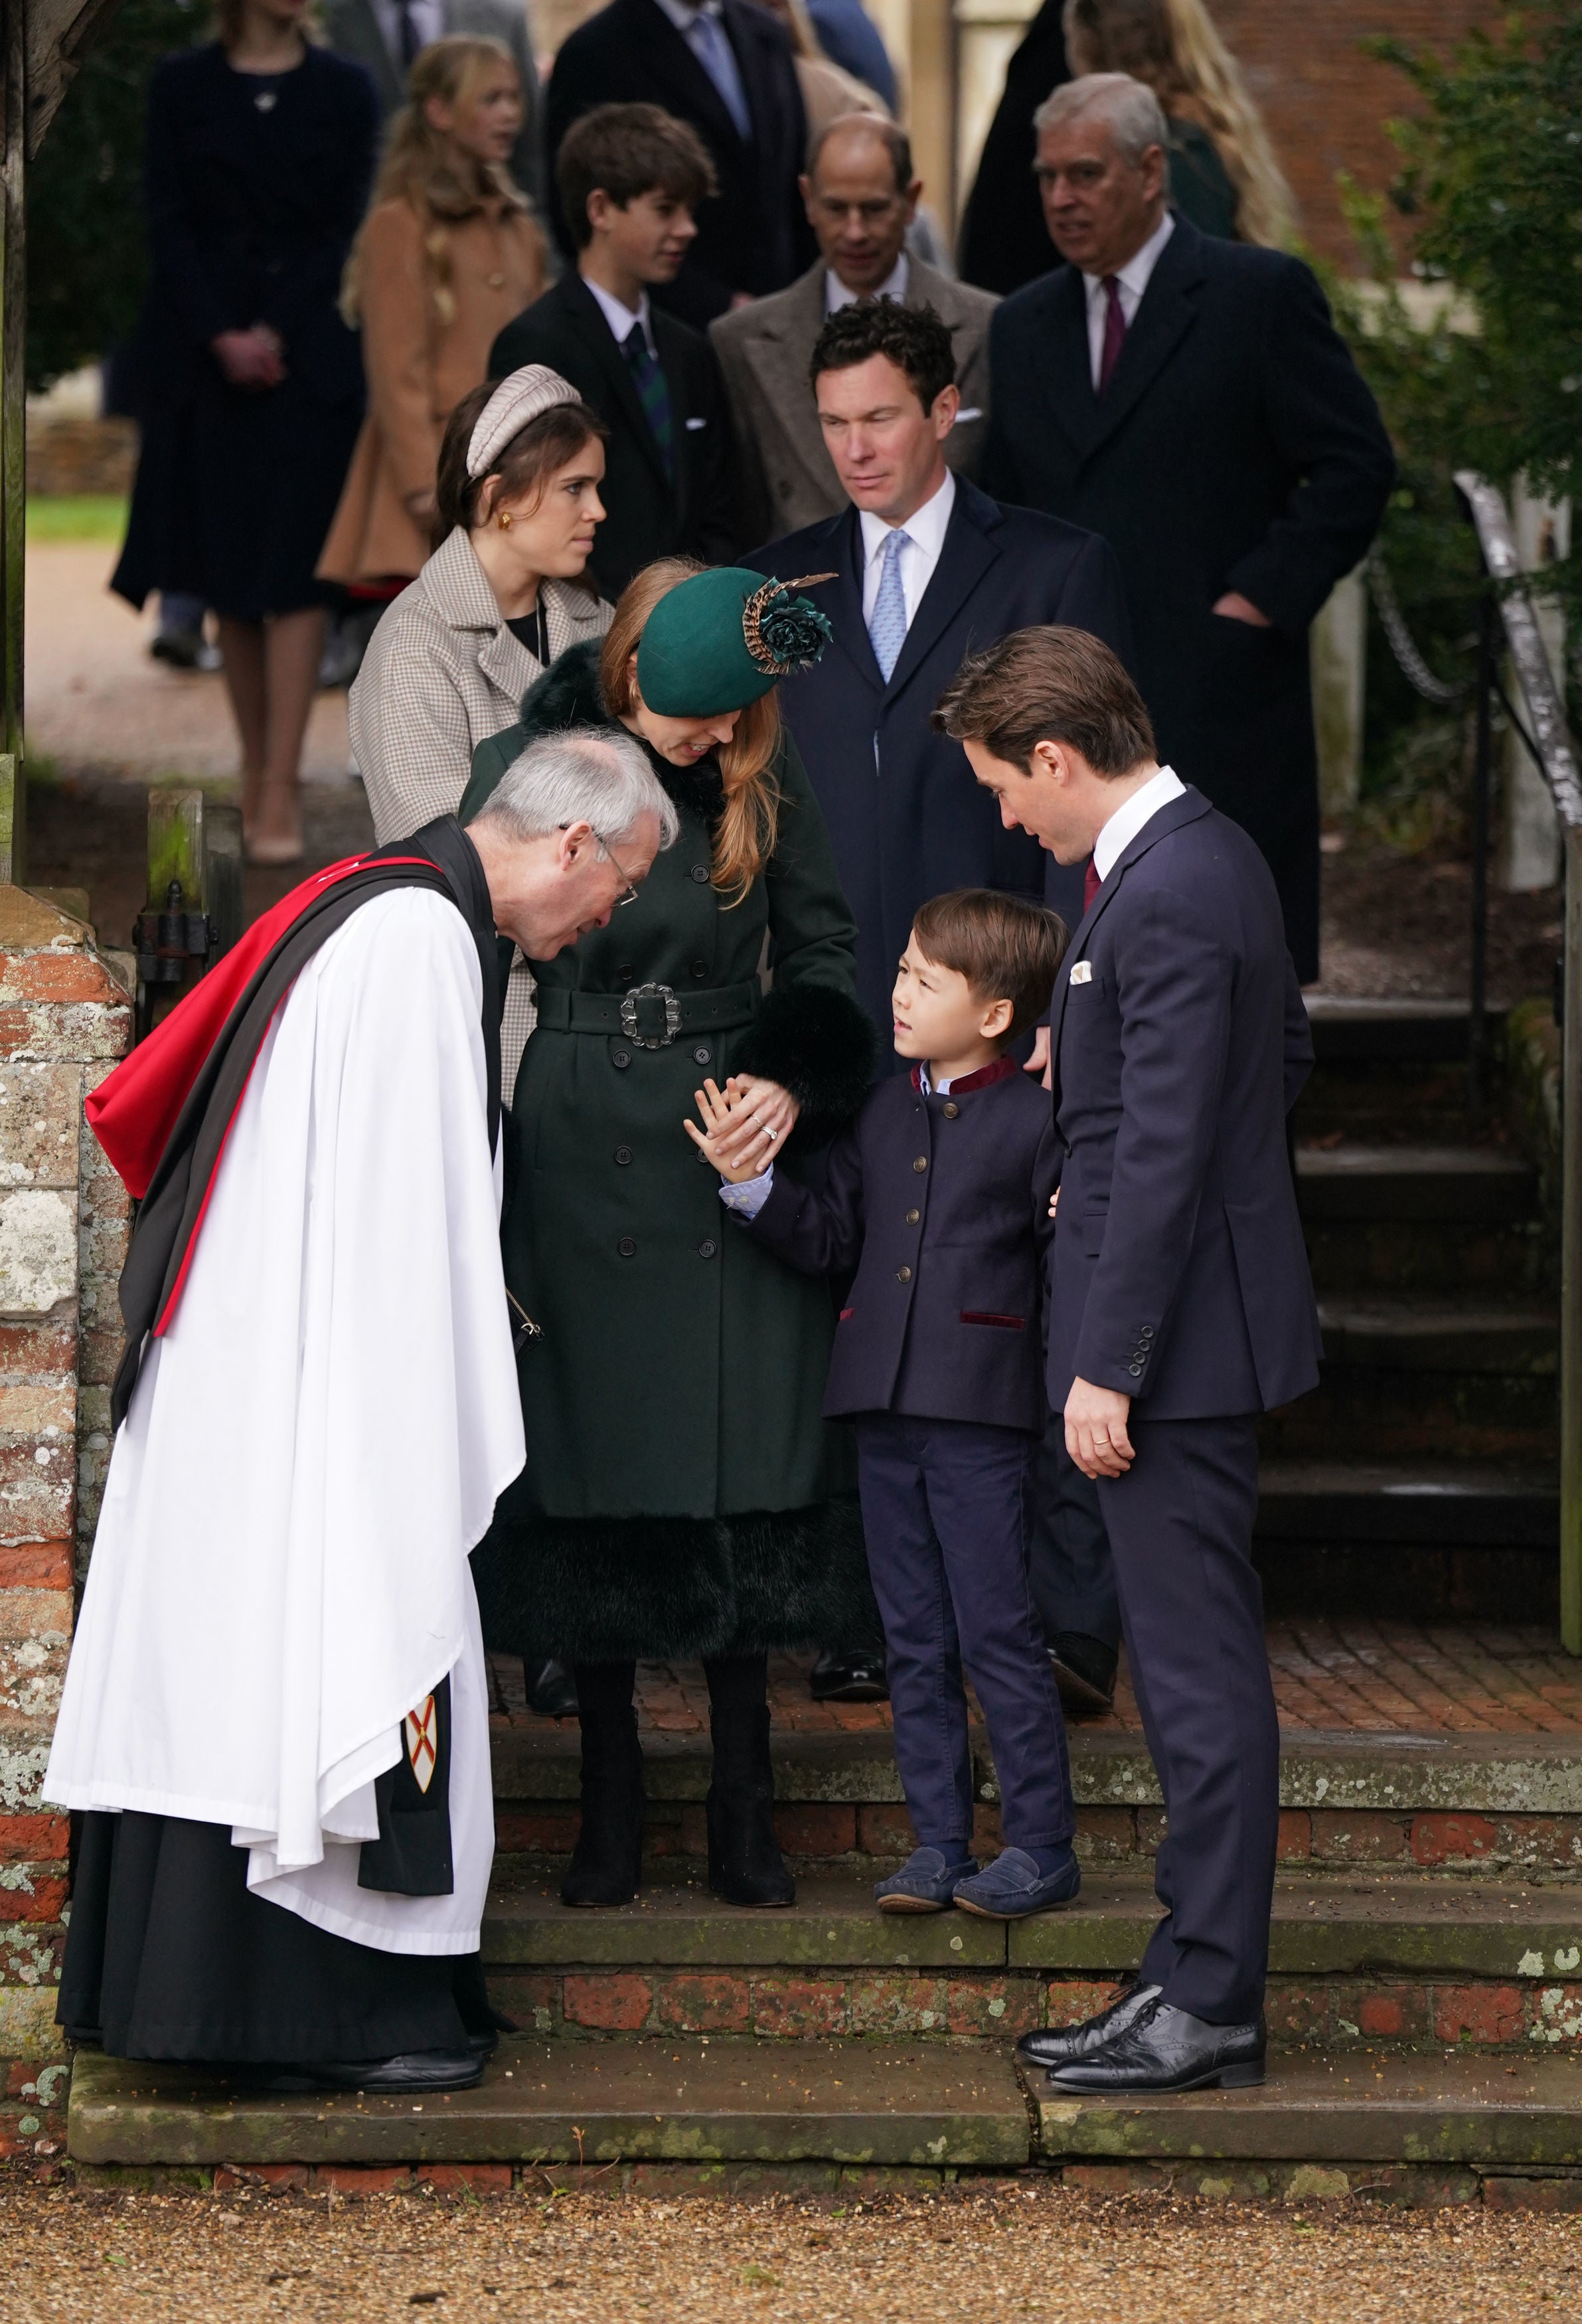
(1485, 1805)
(1411, 1962)
(1445, 2128)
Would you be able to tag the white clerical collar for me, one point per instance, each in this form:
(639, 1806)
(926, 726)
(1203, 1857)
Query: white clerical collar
(926, 526)
(894, 286)
(621, 317)
(1133, 275)
(1129, 817)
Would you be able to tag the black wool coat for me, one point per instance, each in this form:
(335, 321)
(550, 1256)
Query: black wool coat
(906, 819)
(1237, 447)
(648, 514)
(753, 235)
(1181, 1044)
(942, 1205)
(1004, 240)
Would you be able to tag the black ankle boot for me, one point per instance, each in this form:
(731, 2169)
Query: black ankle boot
(745, 1863)
(607, 1862)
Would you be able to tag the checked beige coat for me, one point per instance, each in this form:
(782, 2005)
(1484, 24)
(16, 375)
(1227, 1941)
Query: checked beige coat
(443, 673)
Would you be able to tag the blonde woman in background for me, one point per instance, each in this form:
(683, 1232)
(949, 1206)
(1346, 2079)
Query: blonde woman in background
(448, 252)
(1223, 174)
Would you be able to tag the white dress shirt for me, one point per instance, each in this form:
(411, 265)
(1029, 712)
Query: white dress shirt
(1133, 280)
(1129, 817)
(894, 286)
(620, 318)
(925, 534)
(428, 23)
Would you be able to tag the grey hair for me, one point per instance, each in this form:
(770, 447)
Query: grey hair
(889, 135)
(585, 775)
(1127, 107)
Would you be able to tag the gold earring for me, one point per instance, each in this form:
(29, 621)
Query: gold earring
(504, 520)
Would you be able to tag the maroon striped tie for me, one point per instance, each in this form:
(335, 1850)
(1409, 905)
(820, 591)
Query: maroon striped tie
(1091, 883)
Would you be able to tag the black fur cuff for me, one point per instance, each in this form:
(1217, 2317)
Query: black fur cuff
(817, 1043)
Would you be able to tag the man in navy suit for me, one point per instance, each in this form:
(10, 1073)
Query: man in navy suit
(924, 568)
(1180, 1305)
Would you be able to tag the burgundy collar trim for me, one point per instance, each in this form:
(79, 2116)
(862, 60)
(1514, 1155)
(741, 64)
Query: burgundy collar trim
(984, 1078)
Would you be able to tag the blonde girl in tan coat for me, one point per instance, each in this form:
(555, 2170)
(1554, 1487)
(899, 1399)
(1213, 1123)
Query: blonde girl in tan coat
(449, 254)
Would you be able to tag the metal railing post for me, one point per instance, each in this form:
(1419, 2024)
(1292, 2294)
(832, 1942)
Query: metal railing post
(1482, 771)
(1571, 1255)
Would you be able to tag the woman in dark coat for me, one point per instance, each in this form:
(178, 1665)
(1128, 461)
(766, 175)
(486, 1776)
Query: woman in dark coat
(260, 151)
(682, 1496)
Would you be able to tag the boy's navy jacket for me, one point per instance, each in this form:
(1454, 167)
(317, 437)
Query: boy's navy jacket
(942, 1205)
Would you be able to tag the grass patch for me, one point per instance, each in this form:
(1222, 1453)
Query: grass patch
(77, 516)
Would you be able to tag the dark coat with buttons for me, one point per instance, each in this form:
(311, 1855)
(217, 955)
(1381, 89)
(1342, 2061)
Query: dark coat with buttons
(1180, 1043)
(942, 1205)
(678, 1493)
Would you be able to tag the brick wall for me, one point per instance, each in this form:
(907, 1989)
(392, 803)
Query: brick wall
(63, 1022)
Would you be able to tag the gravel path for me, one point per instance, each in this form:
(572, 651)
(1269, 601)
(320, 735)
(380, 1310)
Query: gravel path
(582, 2259)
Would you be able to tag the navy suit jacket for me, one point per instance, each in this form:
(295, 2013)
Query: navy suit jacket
(906, 819)
(1180, 1275)
(942, 1205)
(1236, 447)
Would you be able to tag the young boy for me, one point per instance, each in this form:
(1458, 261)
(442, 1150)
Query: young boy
(630, 177)
(940, 1197)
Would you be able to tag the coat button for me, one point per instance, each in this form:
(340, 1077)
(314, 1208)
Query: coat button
(701, 1057)
(627, 1246)
(1147, 1332)
(903, 1274)
(1135, 1370)
(912, 1217)
(621, 1060)
(623, 1155)
(921, 1163)
(699, 969)
(950, 1108)
(700, 873)
(707, 1248)
(626, 974)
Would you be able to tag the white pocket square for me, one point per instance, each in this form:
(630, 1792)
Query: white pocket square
(697, 423)
(1082, 972)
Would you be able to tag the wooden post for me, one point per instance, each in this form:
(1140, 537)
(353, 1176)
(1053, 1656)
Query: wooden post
(13, 438)
(1571, 1255)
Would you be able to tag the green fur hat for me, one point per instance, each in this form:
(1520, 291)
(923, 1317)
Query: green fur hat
(720, 640)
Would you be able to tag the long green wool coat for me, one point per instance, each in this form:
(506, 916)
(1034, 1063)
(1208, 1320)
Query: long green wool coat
(681, 1496)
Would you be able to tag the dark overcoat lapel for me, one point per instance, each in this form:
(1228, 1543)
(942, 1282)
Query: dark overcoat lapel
(582, 316)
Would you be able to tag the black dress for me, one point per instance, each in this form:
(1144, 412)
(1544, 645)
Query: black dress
(256, 186)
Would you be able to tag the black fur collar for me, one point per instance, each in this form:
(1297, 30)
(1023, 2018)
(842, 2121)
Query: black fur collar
(569, 693)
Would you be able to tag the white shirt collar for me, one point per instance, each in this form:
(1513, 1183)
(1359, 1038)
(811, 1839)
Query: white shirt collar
(894, 286)
(1130, 817)
(1133, 275)
(926, 526)
(619, 316)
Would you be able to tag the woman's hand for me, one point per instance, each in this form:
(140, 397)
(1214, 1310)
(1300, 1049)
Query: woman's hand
(252, 358)
(717, 1115)
(766, 1115)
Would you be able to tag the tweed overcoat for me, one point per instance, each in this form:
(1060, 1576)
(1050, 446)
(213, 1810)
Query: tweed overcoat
(679, 1492)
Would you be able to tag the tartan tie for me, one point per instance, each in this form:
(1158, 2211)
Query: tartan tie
(1091, 883)
(1115, 330)
(654, 395)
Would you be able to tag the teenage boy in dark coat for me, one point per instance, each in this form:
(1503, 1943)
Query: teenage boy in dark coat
(940, 1196)
(630, 180)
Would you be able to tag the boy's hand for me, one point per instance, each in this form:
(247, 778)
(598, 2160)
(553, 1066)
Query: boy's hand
(716, 1110)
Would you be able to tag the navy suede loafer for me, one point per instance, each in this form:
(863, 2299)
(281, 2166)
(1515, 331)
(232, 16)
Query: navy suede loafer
(1012, 1886)
(926, 1882)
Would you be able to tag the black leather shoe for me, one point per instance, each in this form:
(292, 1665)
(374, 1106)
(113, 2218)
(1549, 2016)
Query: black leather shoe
(551, 1691)
(417, 2071)
(854, 1676)
(1167, 2049)
(1084, 1670)
(1057, 2045)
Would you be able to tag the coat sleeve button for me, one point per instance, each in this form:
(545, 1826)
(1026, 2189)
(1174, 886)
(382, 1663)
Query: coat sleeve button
(950, 1108)
(903, 1274)
(1135, 1370)
(627, 1246)
(708, 1247)
(912, 1217)
(921, 1163)
(701, 1057)
(623, 1155)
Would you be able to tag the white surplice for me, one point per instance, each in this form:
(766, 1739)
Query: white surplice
(281, 1568)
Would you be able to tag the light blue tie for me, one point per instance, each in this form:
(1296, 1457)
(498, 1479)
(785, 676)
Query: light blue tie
(886, 624)
(711, 45)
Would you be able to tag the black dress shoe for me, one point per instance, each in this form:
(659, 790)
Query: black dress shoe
(854, 1676)
(551, 1691)
(1167, 2049)
(1084, 1670)
(417, 2071)
(1058, 2045)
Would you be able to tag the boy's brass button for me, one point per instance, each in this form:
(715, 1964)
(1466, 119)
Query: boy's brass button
(627, 1246)
(903, 1274)
(912, 1217)
(623, 1155)
(951, 1108)
(921, 1163)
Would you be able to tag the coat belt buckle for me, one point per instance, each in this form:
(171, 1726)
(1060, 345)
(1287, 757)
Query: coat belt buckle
(672, 1015)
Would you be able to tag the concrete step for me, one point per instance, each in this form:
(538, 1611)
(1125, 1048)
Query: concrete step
(1459, 1185)
(1393, 1033)
(1518, 1341)
(1433, 1503)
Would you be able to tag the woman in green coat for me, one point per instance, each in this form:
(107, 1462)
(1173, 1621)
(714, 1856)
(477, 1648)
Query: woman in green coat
(682, 1496)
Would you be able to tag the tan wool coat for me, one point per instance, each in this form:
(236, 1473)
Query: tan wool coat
(419, 365)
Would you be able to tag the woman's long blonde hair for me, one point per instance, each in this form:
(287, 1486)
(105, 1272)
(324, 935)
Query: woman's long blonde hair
(746, 833)
(419, 168)
(1175, 46)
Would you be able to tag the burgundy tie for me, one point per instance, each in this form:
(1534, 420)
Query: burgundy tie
(1115, 331)
(1091, 883)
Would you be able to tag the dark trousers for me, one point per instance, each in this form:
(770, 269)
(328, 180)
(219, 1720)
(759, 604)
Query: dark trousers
(1073, 1573)
(1181, 1525)
(943, 1507)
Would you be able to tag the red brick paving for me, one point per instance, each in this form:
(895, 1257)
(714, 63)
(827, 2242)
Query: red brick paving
(1343, 1672)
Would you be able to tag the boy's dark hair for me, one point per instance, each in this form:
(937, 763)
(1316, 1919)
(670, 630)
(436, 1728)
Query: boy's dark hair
(1006, 948)
(625, 151)
(911, 337)
(1048, 685)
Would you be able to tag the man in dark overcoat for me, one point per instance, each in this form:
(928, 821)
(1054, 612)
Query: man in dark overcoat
(1191, 400)
(1180, 1305)
(726, 66)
